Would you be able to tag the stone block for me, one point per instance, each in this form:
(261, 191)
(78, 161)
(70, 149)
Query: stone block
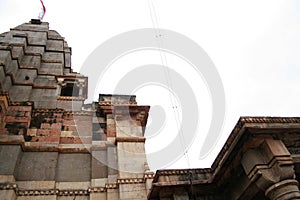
(7, 178)
(131, 159)
(36, 185)
(45, 197)
(55, 45)
(113, 194)
(35, 50)
(31, 61)
(74, 167)
(37, 38)
(73, 185)
(100, 182)
(18, 53)
(51, 68)
(67, 59)
(36, 166)
(112, 160)
(7, 195)
(52, 57)
(98, 196)
(12, 68)
(20, 92)
(132, 191)
(99, 165)
(9, 155)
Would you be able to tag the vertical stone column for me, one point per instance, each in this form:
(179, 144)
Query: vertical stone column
(270, 167)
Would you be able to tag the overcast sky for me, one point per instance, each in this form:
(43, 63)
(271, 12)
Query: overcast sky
(254, 45)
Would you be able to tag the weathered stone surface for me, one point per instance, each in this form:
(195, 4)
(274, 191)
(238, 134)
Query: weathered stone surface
(48, 197)
(112, 160)
(112, 194)
(37, 166)
(36, 185)
(37, 38)
(55, 45)
(74, 167)
(7, 195)
(82, 185)
(132, 191)
(9, 155)
(20, 92)
(99, 165)
(131, 159)
(100, 182)
(31, 61)
(51, 68)
(98, 196)
(51, 57)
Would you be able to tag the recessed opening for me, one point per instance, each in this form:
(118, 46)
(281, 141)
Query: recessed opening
(27, 78)
(70, 90)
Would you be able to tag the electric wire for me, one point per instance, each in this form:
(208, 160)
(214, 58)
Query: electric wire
(164, 61)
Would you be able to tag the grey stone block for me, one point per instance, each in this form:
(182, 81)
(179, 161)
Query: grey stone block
(9, 155)
(74, 167)
(99, 164)
(36, 166)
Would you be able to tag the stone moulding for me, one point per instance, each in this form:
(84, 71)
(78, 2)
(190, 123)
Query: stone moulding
(41, 192)
(131, 181)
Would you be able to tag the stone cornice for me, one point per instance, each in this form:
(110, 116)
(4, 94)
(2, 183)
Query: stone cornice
(248, 133)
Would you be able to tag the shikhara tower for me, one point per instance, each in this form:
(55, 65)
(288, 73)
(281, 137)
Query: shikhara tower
(52, 145)
(55, 147)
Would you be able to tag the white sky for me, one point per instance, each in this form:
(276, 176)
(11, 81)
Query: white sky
(254, 45)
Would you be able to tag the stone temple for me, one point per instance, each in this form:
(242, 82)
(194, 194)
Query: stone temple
(55, 147)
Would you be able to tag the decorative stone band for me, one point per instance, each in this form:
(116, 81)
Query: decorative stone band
(8, 186)
(183, 171)
(21, 192)
(97, 189)
(131, 181)
(202, 175)
(149, 175)
(78, 113)
(110, 103)
(70, 98)
(48, 111)
(36, 192)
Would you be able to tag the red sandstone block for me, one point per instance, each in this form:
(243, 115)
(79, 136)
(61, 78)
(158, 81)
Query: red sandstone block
(55, 132)
(45, 126)
(46, 139)
(76, 140)
(43, 132)
(68, 122)
(56, 126)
